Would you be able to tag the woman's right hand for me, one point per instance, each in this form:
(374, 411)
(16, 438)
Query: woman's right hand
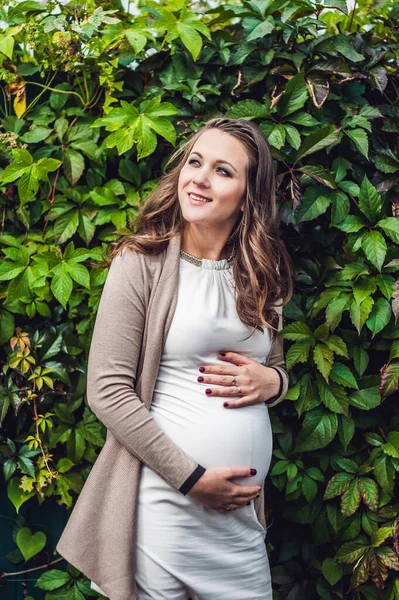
(215, 490)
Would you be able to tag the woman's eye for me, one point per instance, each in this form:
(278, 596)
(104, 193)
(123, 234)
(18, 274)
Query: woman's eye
(193, 160)
(225, 171)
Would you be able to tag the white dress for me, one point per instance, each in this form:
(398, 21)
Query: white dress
(185, 550)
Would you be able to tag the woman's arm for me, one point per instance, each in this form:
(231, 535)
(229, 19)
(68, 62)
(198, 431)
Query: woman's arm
(276, 361)
(113, 360)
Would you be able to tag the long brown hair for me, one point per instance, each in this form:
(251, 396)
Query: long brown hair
(262, 267)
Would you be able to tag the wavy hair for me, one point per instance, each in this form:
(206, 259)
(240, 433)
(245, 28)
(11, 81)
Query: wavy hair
(262, 267)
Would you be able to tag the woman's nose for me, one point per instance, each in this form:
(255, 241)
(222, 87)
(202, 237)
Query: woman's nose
(201, 178)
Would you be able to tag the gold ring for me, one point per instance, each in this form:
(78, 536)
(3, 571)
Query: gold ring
(239, 390)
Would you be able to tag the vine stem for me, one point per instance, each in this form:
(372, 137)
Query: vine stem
(46, 87)
(352, 16)
(53, 562)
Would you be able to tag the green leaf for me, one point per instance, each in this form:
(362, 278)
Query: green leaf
(383, 533)
(52, 580)
(277, 137)
(375, 248)
(379, 316)
(350, 499)
(360, 359)
(369, 200)
(337, 485)
(256, 29)
(392, 445)
(390, 226)
(79, 273)
(294, 96)
(321, 175)
(314, 142)
(369, 492)
(351, 552)
(366, 399)
(74, 165)
(62, 285)
(360, 313)
(343, 375)
(28, 185)
(360, 139)
(335, 309)
(297, 331)
(314, 203)
(309, 488)
(332, 571)
(384, 473)
(337, 345)
(346, 430)
(293, 136)
(7, 45)
(339, 208)
(30, 544)
(351, 224)
(136, 39)
(363, 287)
(35, 135)
(190, 38)
(323, 358)
(7, 326)
(16, 495)
(318, 430)
(248, 110)
(65, 226)
(298, 353)
(333, 396)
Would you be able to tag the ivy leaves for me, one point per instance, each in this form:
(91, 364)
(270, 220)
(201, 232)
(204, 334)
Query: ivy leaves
(28, 173)
(133, 128)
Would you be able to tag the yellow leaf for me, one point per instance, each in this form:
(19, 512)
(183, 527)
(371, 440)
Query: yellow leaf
(20, 102)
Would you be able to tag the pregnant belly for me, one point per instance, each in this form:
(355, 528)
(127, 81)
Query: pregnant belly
(222, 437)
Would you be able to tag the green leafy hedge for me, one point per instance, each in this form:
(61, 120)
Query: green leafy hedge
(93, 99)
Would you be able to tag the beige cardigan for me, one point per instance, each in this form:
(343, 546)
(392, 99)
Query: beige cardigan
(135, 312)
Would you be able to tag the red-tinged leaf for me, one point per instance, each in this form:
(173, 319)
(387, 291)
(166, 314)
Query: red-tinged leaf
(296, 194)
(337, 485)
(369, 492)
(361, 571)
(389, 378)
(396, 536)
(388, 557)
(350, 499)
(378, 569)
(395, 300)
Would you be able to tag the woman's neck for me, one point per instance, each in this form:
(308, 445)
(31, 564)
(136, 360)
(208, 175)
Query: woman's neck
(205, 244)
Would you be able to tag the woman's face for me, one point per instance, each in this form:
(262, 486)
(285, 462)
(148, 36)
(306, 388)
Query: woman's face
(212, 182)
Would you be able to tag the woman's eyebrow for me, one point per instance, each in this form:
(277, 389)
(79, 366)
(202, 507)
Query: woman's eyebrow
(217, 161)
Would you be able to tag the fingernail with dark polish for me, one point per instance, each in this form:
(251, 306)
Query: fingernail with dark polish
(226, 404)
(253, 471)
(200, 379)
(208, 391)
(222, 353)
(201, 369)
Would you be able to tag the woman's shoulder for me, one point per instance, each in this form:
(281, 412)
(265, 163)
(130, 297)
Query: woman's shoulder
(131, 260)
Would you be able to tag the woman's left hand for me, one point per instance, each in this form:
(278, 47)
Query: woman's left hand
(256, 381)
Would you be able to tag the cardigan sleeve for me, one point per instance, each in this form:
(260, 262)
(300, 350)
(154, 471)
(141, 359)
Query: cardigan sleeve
(276, 360)
(113, 360)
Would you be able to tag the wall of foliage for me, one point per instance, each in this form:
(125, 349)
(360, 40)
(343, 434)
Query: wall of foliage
(92, 101)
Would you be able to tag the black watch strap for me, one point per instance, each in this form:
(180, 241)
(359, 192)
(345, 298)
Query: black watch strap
(273, 398)
(191, 480)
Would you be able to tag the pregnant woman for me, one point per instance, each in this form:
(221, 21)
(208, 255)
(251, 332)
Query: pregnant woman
(184, 364)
